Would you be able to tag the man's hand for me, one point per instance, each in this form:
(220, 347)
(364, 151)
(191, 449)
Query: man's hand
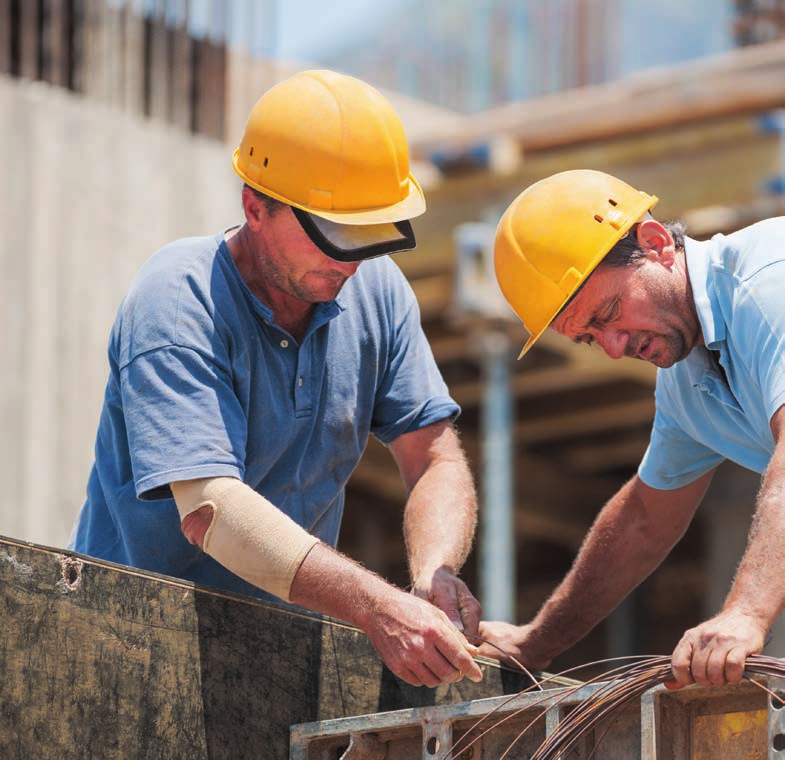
(715, 652)
(420, 644)
(439, 519)
(451, 595)
(415, 639)
(505, 641)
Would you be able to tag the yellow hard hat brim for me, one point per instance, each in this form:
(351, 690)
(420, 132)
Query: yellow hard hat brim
(529, 343)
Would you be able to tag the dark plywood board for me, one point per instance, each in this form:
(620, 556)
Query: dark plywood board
(100, 660)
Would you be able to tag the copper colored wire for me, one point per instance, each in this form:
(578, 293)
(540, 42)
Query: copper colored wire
(616, 688)
(621, 688)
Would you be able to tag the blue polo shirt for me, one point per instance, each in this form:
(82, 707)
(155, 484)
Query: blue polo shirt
(738, 283)
(203, 383)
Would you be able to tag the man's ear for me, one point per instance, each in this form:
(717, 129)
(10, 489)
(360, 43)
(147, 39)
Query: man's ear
(654, 239)
(253, 207)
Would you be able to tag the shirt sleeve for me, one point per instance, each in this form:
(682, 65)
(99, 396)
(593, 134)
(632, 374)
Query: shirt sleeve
(673, 458)
(411, 392)
(183, 419)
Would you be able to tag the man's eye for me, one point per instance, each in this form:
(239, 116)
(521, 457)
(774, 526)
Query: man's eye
(610, 313)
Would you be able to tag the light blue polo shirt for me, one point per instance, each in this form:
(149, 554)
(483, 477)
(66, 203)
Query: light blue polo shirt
(738, 283)
(203, 383)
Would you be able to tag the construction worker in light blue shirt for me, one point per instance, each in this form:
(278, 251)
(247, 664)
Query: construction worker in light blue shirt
(718, 402)
(581, 253)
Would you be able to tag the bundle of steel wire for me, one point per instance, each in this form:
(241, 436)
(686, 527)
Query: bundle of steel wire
(613, 689)
(620, 686)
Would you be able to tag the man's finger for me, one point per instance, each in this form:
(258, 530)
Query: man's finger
(460, 658)
(681, 662)
(454, 614)
(470, 611)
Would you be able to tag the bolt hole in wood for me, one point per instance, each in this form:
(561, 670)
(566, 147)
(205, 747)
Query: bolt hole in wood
(778, 742)
(72, 572)
(432, 745)
(777, 700)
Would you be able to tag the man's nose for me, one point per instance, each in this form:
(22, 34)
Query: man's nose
(613, 342)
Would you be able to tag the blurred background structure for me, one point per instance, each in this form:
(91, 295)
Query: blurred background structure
(119, 118)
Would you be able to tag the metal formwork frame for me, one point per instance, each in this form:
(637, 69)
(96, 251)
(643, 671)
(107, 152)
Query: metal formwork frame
(740, 722)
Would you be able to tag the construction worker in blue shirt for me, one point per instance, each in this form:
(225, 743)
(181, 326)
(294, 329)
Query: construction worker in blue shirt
(248, 368)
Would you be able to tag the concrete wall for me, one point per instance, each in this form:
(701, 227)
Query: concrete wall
(88, 193)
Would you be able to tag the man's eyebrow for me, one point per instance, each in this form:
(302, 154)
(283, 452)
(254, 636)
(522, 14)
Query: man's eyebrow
(599, 316)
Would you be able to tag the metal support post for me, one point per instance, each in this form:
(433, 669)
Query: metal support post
(478, 301)
(497, 533)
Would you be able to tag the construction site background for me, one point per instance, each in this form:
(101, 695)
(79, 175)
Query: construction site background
(115, 139)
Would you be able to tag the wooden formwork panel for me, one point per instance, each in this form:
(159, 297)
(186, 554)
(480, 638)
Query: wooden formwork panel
(103, 661)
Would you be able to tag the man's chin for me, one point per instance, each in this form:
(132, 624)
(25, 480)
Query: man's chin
(663, 362)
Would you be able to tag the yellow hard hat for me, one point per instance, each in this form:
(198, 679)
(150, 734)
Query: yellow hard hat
(333, 146)
(554, 234)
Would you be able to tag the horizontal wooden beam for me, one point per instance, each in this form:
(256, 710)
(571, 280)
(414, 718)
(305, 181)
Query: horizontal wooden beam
(742, 80)
(539, 524)
(622, 452)
(588, 421)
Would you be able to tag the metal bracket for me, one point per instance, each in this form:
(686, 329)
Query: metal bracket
(365, 747)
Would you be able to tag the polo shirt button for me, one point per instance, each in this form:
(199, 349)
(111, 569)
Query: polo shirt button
(284, 343)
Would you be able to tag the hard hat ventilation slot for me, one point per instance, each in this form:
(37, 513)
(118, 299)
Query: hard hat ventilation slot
(266, 159)
(598, 218)
(612, 202)
(250, 152)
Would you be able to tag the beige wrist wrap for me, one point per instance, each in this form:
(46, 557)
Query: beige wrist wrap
(246, 534)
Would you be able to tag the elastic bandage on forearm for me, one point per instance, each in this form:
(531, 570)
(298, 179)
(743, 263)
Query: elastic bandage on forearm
(245, 533)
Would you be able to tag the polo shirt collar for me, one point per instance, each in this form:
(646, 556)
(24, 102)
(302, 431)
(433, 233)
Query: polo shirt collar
(701, 274)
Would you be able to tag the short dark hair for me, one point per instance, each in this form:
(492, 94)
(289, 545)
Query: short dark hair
(271, 205)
